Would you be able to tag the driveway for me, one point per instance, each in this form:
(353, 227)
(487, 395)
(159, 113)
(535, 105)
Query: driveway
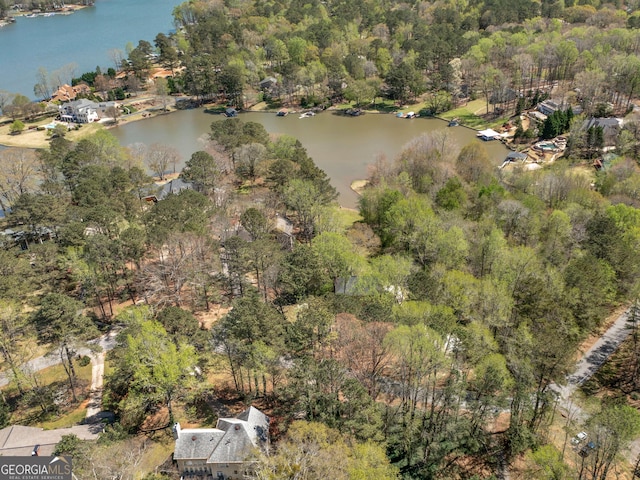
(106, 342)
(587, 366)
(595, 357)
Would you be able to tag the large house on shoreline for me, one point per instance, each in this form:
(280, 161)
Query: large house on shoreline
(85, 111)
(67, 93)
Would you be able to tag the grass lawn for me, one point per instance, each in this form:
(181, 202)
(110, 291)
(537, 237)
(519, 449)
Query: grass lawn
(38, 138)
(384, 106)
(468, 114)
(156, 454)
(343, 218)
(56, 378)
(473, 115)
(70, 419)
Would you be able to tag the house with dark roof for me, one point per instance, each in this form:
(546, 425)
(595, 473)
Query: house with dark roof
(224, 452)
(516, 156)
(611, 128)
(174, 186)
(268, 83)
(18, 440)
(549, 107)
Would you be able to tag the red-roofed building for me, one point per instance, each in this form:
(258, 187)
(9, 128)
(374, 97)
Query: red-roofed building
(66, 93)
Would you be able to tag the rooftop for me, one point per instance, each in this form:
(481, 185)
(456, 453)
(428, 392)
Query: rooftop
(18, 440)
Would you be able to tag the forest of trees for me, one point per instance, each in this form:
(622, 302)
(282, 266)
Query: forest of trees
(420, 341)
(469, 289)
(322, 52)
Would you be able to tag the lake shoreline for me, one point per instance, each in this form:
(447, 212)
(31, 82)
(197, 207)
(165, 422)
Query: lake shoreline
(67, 10)
(38, 139)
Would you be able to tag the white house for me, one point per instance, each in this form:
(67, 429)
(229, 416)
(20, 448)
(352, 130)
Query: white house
(79, 111)
(224, 452)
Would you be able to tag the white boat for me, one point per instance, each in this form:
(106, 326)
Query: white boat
(307, 115)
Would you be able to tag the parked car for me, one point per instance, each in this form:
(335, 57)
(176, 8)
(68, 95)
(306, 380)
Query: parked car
(579, 438)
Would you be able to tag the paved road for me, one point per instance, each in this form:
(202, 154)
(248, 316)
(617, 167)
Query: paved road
(608, 343)
(587, 366)
(593, 359)
(107, 342)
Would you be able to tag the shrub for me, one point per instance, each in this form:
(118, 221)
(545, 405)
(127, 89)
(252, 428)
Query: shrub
(16, 127)
(84, 360)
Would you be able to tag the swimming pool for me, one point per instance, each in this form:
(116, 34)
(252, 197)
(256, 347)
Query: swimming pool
(547, 146)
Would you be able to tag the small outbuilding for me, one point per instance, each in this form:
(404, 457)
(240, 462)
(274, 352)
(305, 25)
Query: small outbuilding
(516, 156)
(268, 83)
(488, 134)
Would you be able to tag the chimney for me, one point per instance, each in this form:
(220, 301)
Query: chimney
(176, 431)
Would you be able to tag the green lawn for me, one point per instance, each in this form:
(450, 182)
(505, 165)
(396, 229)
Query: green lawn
(343, 218)
(54, 376)
(67, 420)
(467, 114)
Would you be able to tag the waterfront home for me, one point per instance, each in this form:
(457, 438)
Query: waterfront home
(79, 111)
(516, 156)
(174, 186)
(86, 111)
(104, 108)
(224, 452)
(67, 93)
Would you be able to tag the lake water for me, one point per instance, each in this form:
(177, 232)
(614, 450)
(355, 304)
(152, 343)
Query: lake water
(342, 146)
(83, 38)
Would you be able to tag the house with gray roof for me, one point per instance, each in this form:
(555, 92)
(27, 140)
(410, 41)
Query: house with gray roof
(79, 111)
(175, 186)
(85, 111)
(224, 452)
(611, 128)
(18, 440)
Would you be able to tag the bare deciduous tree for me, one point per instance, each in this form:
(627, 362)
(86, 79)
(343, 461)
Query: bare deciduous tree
(162, 91)
(18, 174)
(116, 55)
(159, 157)
(248, 157)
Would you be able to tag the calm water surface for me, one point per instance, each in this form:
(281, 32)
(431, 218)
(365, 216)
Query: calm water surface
(84, 38)
(342, 146)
